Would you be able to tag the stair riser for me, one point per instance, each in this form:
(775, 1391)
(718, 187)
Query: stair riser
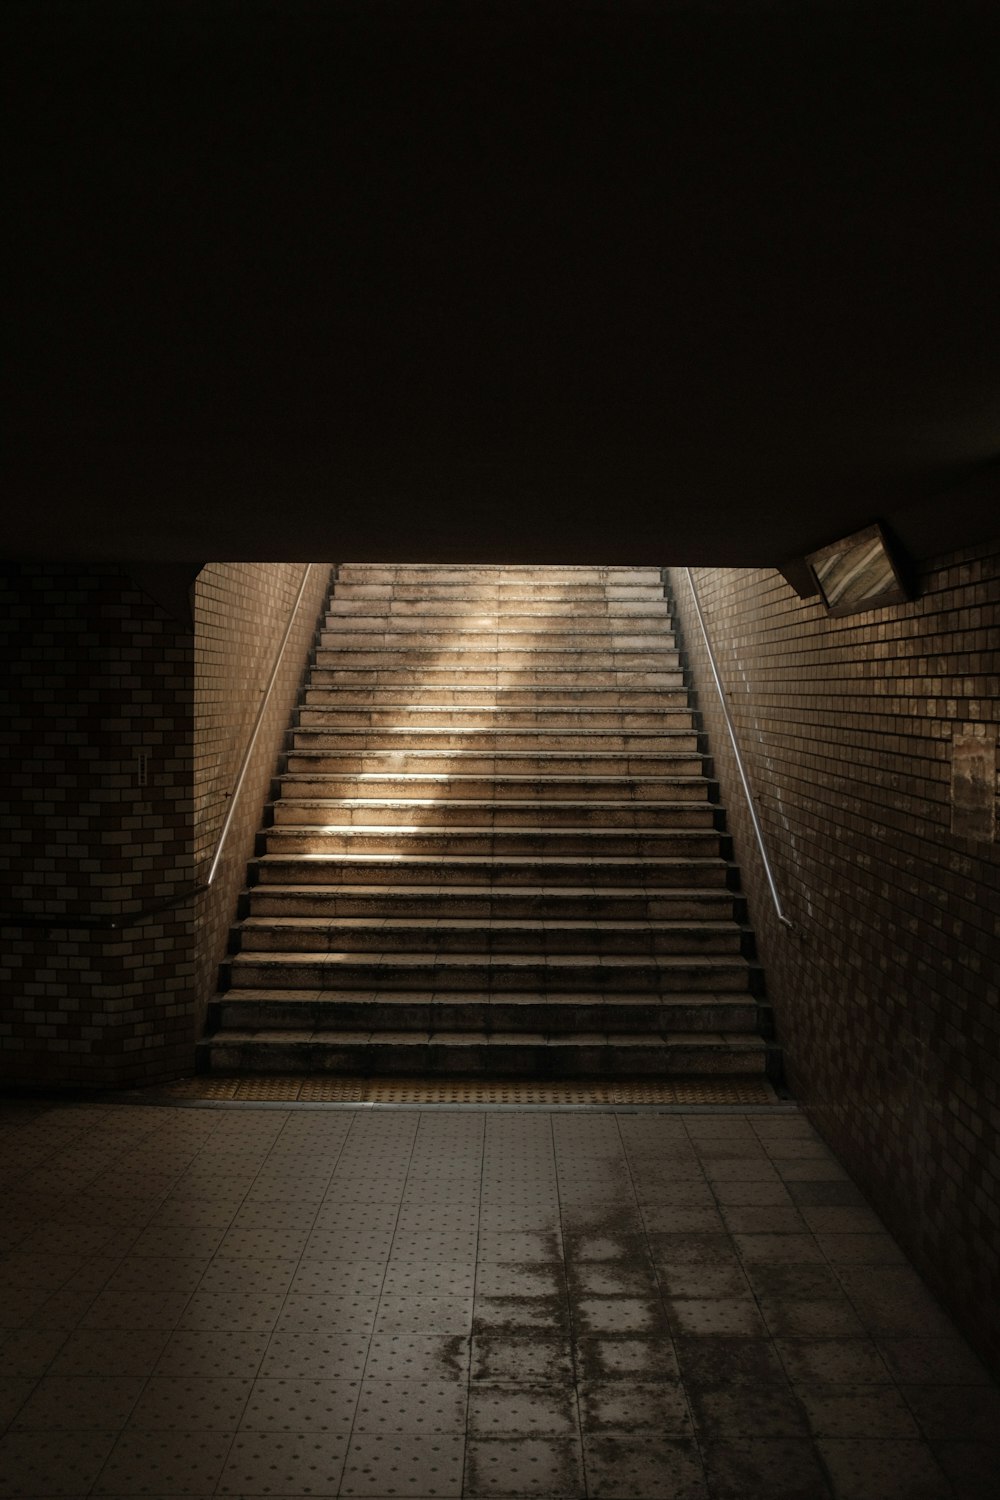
(442, 1016)
(595, 843)
(607, 633)
(576, 720)
(507, 646)
(629, 815)
(513, 667)
(622, 942)
(446, 789)
(525, 741)
(441, 1058)
(504, 594)
(497, 612)
(519, 633)
(543, 685)
(258, 971)
(418, 574)
(427, 762)
(348, 699)
(499, 905)
(707, 873)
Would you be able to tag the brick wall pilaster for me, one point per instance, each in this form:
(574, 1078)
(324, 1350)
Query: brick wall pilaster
(122, 734)
(96, 726)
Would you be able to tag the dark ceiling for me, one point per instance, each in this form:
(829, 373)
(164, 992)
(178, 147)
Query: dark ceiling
(602, 280)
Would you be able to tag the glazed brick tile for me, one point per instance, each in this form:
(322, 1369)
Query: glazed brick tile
(882, 996)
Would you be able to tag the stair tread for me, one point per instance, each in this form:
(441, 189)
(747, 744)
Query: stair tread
(693, 1039)
(558, 999)
(475, 828)
(443, 778)
(495, 960)
(478, 860)
(596, 701)
(666, 710)
(379, 737)
(522, 893)
(411, 592)
(541, 755)
(490, 694)
(510, 804)
(474, 731)
(505, 924)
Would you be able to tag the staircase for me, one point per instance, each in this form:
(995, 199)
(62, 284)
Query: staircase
(494, 849)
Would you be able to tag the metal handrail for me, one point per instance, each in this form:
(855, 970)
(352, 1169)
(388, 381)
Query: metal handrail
(248, 752)
(91, 923)
(755, 820)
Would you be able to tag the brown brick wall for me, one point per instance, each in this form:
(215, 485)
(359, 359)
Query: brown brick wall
(96, 675)
(886, 992)
(241, 613)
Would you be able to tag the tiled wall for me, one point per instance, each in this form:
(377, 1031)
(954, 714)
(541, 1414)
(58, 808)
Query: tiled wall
(96, 730)
(886, 992)
(122, 735)
(241, 613)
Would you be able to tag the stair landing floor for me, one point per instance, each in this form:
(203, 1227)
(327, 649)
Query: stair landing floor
(462, 1304)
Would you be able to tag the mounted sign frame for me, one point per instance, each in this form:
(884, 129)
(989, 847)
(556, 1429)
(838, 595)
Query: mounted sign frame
(857, 573)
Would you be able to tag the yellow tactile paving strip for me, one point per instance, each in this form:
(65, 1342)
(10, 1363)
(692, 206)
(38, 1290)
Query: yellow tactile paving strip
(475, 1091)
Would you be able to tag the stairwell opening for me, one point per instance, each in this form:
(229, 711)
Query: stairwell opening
(494, 851)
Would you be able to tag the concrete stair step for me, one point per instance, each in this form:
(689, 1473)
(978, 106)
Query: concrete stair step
(428, 680)
(450, 737)
(479, 1054)
(504, 593)
(464, 573)
(533, 603)
(540, 903)
(314, 715)
(596, 843)
(446, 812)
(344, 969)
(461, 787)
(498, 630)
(357, 867)
(496, 935)
(444, 615)
(420, 663)
(651, 1015)
(350, 697)
(673, 762)
(512, 643)
(507, 628)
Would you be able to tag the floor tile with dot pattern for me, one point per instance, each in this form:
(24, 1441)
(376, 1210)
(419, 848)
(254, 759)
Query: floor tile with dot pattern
(310, 1303)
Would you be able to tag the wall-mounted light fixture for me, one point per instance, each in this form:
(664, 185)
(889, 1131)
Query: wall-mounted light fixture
(857, 573)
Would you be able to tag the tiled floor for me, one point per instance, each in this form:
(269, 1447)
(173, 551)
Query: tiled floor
(445, 1302)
